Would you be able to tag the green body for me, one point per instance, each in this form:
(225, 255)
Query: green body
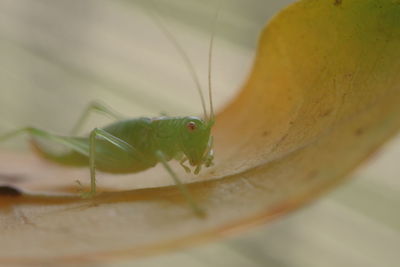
(169, 135)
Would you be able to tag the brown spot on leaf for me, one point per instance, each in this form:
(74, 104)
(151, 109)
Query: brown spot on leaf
(326, 113)
(359, 131)
(337, 2)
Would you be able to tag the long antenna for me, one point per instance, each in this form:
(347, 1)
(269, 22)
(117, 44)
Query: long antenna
(210, 53)
(182, 53)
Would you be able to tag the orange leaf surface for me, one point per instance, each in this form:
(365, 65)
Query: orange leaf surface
(324, 93)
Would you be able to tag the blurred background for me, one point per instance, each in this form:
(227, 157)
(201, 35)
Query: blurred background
(57, 56)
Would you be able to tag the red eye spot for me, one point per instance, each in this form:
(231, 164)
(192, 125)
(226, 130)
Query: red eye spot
(191, 126)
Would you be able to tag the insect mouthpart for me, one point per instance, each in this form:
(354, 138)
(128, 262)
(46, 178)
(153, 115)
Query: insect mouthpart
(207, 160)
(196, 164)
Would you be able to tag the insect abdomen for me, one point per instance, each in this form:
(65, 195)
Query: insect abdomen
(110, 158)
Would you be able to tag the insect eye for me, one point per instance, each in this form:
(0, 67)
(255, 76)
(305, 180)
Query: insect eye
(191, 126)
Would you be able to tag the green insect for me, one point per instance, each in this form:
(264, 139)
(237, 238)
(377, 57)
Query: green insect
(134, 145)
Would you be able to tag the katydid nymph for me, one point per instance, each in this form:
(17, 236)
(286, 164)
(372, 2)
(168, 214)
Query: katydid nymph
(134, 145)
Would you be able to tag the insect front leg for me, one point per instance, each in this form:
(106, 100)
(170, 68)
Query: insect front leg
(182, 188)
(94, 106)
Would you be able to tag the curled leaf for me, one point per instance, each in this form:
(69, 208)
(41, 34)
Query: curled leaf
(324, 93)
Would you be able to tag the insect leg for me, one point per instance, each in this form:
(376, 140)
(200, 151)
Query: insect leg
(97, 107)
(182, 163)
(12, 134)
(121, 144)
(182, 188)
(35, 132)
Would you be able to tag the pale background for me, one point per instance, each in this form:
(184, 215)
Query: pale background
(56, 56)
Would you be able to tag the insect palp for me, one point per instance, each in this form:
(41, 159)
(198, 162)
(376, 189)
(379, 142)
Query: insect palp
(182, 163)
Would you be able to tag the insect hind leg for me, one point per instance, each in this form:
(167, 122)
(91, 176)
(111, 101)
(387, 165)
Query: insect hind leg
(13, 134)
(71, 158)
(119, 143)
(36, 132)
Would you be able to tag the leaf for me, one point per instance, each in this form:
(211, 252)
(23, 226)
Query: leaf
(324, 94)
